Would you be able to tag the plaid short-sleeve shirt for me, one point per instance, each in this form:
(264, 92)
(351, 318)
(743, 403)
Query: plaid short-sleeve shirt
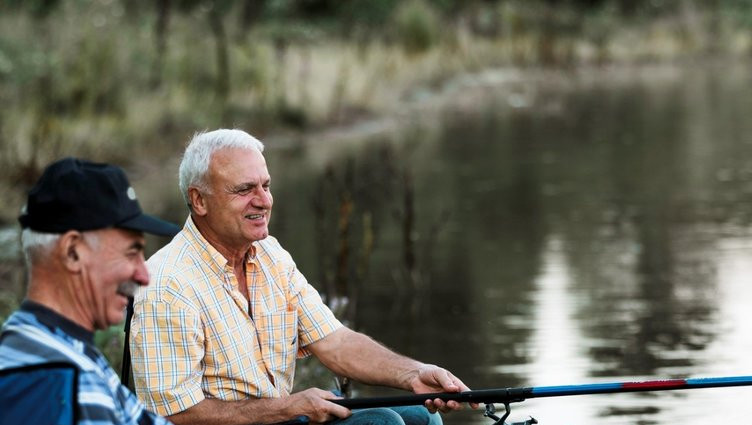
(194, 335)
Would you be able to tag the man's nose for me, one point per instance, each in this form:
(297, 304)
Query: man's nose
(263, 199)
(141, 275)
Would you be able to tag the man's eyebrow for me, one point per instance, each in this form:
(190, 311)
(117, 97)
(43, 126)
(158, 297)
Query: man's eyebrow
(242, 186)
(138, 245)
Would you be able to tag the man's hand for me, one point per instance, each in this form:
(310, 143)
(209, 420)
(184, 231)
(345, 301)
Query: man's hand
(315, 403)
(433, 379)
(359, 357)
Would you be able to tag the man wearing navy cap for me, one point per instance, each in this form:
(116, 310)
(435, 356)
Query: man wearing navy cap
(84, 247)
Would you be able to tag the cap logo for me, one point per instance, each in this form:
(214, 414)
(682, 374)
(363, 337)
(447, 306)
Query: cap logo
(131, 193)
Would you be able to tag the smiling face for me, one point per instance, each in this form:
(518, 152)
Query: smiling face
(112, 266)
(235, 210)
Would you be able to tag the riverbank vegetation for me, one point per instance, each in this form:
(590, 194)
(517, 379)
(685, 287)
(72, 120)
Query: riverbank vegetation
(125, 80)
(129, 81)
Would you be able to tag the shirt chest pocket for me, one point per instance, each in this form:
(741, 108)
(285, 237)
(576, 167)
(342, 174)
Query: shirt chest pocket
(278, 337)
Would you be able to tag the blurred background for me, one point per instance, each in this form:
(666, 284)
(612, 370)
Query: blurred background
(528, 192)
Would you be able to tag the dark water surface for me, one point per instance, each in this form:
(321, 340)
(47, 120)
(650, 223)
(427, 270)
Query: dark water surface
(568, 229)
(593, 229)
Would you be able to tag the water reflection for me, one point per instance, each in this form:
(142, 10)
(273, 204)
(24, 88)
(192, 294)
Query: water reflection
(556, 347)
(604, 239)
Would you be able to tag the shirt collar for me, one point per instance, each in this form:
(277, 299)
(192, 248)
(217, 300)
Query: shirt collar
(218, 259)
(53, 319)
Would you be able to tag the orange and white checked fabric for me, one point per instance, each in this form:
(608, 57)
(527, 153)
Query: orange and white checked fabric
(193, 336)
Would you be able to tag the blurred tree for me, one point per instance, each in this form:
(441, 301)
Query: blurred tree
(215, 12)
(354, 14)
(43, 100)
(39, 9)
(714, 26)
(417, 25)
(626, 7)
(160, 38)
(251, 12)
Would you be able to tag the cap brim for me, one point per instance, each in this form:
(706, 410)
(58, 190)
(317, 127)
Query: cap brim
(149, 224)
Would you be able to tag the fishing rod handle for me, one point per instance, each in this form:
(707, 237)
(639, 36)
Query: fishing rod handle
(503, 395)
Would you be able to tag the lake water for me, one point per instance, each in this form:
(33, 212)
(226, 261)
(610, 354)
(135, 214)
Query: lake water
(563, 228)
(566, 229)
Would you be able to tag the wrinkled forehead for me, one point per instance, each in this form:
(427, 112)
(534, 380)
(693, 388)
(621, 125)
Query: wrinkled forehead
(238, 164)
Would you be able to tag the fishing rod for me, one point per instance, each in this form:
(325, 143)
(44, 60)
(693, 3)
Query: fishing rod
(506, 396)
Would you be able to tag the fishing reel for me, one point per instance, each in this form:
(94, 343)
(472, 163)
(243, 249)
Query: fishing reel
(491, 413)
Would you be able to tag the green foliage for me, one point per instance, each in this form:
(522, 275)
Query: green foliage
(416, 26)
(739, 11)
(367, 14)
(39, 9)
(110, 342)
(19, 64)
(93, 85)
(78, 77)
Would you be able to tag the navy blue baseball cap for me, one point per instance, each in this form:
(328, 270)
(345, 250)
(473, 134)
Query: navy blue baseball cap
(74, 194)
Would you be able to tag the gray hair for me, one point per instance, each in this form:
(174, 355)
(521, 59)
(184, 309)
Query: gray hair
(197, 156)
(36, 246)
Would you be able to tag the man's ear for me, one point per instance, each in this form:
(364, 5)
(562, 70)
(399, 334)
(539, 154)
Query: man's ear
(70, 248)
(198, 204)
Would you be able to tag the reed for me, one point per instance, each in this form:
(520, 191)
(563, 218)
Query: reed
(81, 81)
(94, 80)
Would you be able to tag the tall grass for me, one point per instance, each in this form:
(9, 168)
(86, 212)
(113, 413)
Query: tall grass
(81, 81)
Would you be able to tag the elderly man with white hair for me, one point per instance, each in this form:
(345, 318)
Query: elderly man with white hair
(215, 338)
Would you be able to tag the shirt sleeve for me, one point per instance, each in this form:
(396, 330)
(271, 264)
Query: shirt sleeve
(167, 349)
(315, 319)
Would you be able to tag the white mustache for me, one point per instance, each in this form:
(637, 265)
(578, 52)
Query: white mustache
(128, 288)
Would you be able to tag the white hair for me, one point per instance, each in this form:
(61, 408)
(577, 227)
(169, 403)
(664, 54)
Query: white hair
(36, 246)
(197, 156)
